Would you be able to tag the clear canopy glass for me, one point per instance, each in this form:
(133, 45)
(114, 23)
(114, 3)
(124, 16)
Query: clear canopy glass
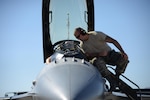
(64, 17)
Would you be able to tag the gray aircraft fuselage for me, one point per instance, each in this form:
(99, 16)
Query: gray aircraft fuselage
(69, 79)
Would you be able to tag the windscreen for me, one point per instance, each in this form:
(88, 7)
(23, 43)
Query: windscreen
(64, 17)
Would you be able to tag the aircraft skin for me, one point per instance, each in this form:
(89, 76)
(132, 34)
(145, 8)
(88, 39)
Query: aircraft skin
(70, 79)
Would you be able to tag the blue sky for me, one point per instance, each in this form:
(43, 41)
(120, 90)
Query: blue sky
(21, 56)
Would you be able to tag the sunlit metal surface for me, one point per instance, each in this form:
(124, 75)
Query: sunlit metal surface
(70, 80)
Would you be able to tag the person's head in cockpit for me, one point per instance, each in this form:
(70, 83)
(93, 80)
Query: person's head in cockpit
(80, 34)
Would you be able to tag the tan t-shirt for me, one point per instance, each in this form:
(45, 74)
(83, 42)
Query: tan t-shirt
(95, 43)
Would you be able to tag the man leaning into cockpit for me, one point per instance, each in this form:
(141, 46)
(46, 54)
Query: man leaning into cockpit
(94, 44)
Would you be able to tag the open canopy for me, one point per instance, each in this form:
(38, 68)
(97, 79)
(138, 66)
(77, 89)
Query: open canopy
(60, 18)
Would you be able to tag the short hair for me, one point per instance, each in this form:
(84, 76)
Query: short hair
(82, 31)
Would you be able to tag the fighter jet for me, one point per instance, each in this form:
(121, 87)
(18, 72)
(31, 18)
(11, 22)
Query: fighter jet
(69, 75)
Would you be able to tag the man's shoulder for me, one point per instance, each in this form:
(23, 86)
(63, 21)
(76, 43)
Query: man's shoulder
(95, 32)
(91, 32)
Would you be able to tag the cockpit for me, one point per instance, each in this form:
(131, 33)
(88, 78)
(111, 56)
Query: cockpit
(70, 48)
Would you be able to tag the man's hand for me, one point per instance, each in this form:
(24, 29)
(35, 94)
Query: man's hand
(125, 56)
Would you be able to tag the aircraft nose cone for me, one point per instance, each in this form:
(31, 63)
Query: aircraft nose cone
(70, 81)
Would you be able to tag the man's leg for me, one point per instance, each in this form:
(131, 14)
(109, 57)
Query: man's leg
(115, 58)
(101, 66)
(121, 66)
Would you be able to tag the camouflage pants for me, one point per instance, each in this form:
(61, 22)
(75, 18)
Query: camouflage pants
(113, 58)
(101, 66)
